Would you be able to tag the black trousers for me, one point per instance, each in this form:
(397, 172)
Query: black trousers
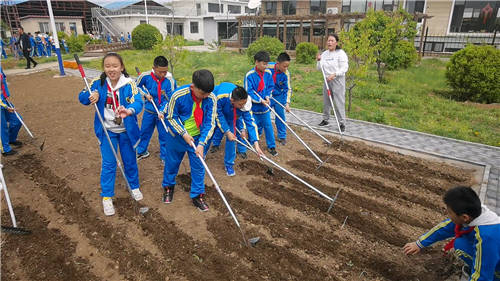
(26, 54)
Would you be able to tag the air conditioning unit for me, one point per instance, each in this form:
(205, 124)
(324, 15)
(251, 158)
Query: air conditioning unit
(332, 11)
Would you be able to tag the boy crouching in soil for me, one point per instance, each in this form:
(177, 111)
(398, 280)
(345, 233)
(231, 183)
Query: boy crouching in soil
(475, 231)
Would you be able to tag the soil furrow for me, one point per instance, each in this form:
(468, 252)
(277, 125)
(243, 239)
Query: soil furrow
(362, 184)
(412, 178)
(39, 260)
(133, 263)
(399, 161)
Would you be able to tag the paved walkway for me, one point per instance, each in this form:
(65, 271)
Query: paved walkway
(485, 155)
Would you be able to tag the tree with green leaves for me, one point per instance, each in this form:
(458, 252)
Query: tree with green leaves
(383, 33)
(172, 47)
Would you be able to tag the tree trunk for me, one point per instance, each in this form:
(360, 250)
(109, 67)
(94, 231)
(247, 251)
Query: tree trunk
(380, 71)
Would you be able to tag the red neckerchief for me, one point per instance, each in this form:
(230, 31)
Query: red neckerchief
(113, 100)
(4, 93)
(198, 112)
(262, 85)
(275, 72)
(159, 86)
(458, 234)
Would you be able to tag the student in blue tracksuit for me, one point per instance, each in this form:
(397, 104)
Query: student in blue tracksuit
(108, 38)
(129, 37)
(159, 89)
(33, 45)
(39, 45)
(475, 231)
(119, 103)
(234, 111)
(282, 92)
(48, 45)
(10, 123)
(259, 85)
(191, 113)
(4, 54)
(65, 46)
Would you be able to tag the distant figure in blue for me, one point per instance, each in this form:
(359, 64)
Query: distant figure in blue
(4, 54)
(39, 45)
(129, 37)
(65, 46)
(13, 46)
(48, 45)
(33, 45)
(122, 38)
(108, 38)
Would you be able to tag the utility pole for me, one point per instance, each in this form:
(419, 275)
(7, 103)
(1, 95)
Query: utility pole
(56, 40)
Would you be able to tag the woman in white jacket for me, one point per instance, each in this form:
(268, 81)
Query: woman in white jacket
(335, 65)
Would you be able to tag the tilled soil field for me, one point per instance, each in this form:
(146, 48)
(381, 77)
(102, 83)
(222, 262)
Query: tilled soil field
(386, 199)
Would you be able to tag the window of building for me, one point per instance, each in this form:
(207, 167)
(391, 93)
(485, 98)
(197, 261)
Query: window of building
(233, 9)
(193, 27)
(289, 7)
(415, 6)
(475, 16)
(198, 9)
(44, 27)
(250, 11)
(178, 28)
(353, 6)
(215, 8)
(271, 7)
(60, 26)
(72, 28)
(227, 30)
(318, 7)
(142, 22)
(390, 5)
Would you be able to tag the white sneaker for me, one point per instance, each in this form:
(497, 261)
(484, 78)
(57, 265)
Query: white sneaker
(107, 205)
(137, 194)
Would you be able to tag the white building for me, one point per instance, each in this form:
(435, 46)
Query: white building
(208, 20)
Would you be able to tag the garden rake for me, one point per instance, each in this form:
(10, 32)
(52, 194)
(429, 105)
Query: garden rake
(332, 200)
(245, 241)
(269, 169)
(142, 210)
(3, 187)
(303, 122)
(297, 136)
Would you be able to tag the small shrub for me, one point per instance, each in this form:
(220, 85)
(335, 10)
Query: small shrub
(271, 45)
(306, 52)
(403, 56)
(75, 44)
(62, 35)
(145, 36)
(473, 73)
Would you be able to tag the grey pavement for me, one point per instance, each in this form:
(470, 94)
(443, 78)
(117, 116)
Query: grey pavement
(487, 156)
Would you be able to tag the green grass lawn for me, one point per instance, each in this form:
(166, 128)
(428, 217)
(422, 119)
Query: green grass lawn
(409, 99)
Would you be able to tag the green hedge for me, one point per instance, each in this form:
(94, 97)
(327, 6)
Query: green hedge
(306, 52)
(145, 36)
(271, 45)
(474, 74)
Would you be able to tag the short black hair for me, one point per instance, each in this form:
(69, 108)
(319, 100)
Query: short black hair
(283, 57)
(239, 93)
(463, 200)
(160, 61)
(203, 79)
(261, 56)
